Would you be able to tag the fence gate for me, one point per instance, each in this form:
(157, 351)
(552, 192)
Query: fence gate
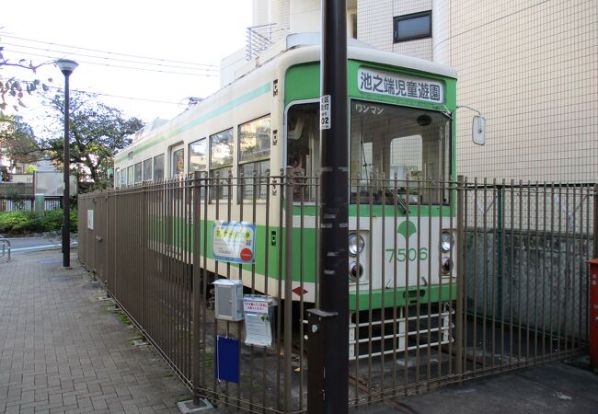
(449, 281)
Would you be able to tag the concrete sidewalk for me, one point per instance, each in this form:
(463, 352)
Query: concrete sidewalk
(555, 388)
(62, 351)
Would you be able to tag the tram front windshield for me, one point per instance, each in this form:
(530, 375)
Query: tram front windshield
(394, 150)
(398, 151)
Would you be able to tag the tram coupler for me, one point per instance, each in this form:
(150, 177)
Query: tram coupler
(318, 322)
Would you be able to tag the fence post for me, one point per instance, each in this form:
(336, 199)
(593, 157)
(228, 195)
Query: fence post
(460, 276)
(288, 285)
(595, 240)
(196, 291)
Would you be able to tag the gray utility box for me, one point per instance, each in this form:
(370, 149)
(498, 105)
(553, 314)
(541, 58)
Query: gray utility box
(229, 299)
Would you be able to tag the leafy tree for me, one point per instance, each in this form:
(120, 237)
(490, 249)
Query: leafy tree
(96, 132)
(17, 140)
(12, 89)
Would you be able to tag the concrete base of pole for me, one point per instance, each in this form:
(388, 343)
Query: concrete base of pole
(186, 407)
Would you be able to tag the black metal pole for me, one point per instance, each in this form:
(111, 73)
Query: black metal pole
(66, 206)
(328, 378)
(595, 255)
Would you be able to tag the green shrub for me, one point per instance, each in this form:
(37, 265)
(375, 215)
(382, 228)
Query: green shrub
(14, 221)
(22, 222)
(52, 220)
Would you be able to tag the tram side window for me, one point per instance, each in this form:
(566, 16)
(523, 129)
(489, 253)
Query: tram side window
(131, 175)
(303, 148)
(221, 162)
(198, 155)
(123, 177)
(147, 170)
(254, 158)
(178, 163)
(138, 172)
(198, 160)
(159, 167)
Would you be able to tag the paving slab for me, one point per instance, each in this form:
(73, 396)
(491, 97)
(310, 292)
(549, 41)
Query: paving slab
(554, 388)
(62, 351)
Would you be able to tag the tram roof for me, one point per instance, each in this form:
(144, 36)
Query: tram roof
(305, 47)
(359, 50)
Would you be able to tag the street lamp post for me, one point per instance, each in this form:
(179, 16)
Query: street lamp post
(67, 67)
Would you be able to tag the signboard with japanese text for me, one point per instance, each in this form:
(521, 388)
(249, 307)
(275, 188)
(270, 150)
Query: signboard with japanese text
(325, 112)
(234, 242)
(392, 84)
(258, 311)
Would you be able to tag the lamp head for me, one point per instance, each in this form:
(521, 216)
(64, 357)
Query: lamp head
(66, 66)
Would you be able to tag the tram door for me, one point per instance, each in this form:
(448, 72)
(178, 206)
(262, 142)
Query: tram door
(303, 145)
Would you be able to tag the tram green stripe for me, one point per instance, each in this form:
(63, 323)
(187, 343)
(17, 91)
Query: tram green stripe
(365, 299)
(173, 232)
(243, 99)
(304, 262)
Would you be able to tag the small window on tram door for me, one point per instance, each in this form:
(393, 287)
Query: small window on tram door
(178, 163)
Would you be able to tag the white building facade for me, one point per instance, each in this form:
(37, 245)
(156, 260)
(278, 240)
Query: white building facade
(530, 67)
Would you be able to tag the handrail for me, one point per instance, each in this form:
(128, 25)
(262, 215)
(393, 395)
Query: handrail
(5, 242)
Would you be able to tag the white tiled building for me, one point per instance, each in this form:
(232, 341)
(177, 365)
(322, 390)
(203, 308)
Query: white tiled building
(531, 68)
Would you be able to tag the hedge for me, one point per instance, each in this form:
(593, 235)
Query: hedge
(23, 222)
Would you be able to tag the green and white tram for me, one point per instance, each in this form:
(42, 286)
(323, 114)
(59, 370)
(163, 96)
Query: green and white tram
(402, 159)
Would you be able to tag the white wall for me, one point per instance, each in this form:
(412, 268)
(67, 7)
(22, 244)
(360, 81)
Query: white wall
(375, 25)
(531, 68)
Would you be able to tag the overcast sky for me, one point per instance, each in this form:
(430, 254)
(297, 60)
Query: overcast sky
(187, 39)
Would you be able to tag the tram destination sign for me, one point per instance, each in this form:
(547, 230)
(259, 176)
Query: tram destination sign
(392, 84)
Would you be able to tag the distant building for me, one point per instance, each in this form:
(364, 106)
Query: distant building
(528, 66)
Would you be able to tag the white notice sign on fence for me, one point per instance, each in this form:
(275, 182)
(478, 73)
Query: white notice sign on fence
(90, 219)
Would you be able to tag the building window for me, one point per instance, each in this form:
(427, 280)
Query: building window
(412, 26)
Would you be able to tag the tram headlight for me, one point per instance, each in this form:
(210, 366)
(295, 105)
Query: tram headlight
(446, 265)
(356, 244)
(446, 241)
(356, 272)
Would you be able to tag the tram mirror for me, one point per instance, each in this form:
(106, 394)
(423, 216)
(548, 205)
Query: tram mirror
(478, 130)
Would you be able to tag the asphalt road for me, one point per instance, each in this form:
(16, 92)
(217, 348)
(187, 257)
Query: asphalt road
(35, 243)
